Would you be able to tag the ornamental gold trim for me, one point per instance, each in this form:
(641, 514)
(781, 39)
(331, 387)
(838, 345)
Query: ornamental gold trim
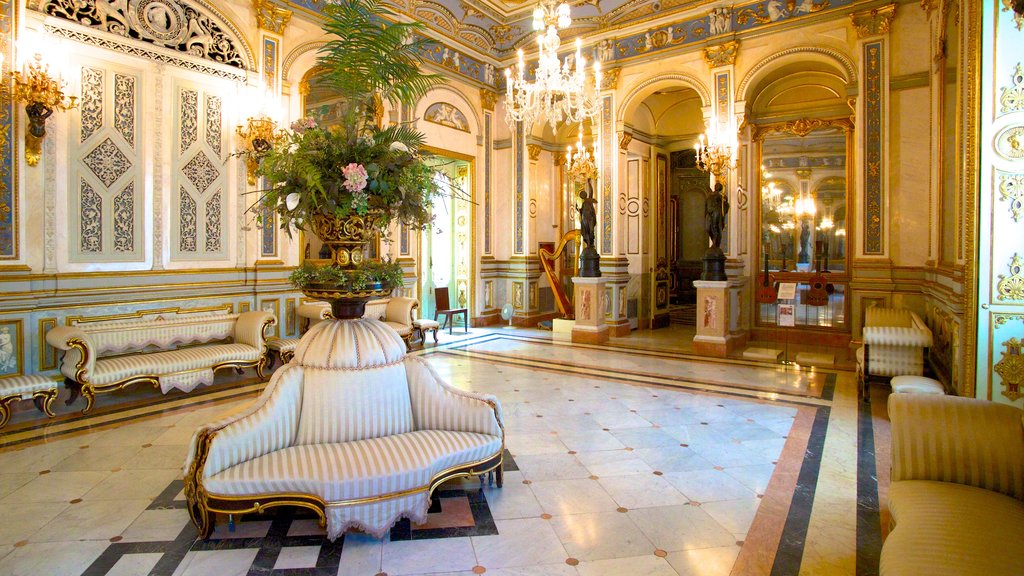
(1011, 98)
(802, 127)
(1011, 369)
(1011, 288)
(1011, 189)
(874, 22)
(722, 55)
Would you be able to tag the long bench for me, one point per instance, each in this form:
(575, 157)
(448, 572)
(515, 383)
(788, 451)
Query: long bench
(175, 350)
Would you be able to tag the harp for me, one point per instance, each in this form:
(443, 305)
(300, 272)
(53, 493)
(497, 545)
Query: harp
(547, 260)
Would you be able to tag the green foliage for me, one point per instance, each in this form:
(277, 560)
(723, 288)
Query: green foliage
(368, 60)
(389, 274)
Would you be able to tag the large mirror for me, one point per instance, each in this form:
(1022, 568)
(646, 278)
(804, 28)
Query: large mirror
(804, 211)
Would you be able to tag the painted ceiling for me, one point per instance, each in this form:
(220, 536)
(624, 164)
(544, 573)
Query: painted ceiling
(496, 28)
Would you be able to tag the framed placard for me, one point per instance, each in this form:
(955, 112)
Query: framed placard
(787, 315)
(787, 291)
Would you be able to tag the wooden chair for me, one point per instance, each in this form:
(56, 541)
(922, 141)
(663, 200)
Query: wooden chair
(442, 306)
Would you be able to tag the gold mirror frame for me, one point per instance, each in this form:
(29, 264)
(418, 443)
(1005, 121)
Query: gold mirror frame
(802, 127)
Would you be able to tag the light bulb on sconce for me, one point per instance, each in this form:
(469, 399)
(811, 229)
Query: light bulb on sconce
(715, 157)
(258, 135)
(43, 94)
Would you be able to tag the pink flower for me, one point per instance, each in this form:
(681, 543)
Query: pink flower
(355, 177)
(303, 124)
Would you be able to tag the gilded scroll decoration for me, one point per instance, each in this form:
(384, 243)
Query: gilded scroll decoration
(1011, 369)
(124, 219)
(721, 55)
(124, 107)
(1012, 97)
(271, 18)
(873, 22)
(174, 24)
(1012, 287)
(1011, 189)
(92, 102)
(1018, 18)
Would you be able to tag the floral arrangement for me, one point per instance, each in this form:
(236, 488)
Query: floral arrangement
(357, 167)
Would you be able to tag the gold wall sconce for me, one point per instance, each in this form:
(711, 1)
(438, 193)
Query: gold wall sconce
(43, 95)
(258, 136)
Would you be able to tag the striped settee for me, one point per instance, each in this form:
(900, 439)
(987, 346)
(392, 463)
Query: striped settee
(352, 428)
(107, 356)
(957, 492)
(895, 344)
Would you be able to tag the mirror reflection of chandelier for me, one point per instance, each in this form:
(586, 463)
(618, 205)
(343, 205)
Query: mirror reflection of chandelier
(805, 207)
(559, 90)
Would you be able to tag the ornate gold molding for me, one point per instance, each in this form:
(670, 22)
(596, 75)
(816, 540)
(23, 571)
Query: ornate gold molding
(1011, 188)
(488, 99)
(534, 151)
(873, 22)
(610, 78)
(1018, 11)
(559, 158)
(929, 5)
(721, 55)
(270, 17)
(1012, 98)
(802, 127)
(1011, 288)
(1011, 369)
(624, 140)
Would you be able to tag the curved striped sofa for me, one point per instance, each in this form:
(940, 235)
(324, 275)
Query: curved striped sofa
(351, 428)
(107, 356)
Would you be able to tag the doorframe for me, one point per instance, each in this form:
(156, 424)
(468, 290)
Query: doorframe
(471, 160)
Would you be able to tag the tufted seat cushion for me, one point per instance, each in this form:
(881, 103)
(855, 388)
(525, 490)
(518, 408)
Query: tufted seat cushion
(947, 529)
(360, 469)
(109, 370)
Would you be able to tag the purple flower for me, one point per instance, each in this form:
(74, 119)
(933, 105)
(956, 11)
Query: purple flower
(355, 177)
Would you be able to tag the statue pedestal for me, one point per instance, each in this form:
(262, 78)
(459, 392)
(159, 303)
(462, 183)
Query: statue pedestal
(719, 330)
(588, 301)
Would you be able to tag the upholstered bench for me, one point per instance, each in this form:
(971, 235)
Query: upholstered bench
(916, 385)
(37, 387)
(423, 325)
(351, 428)
(395, 312)
(896, 342)
(107, 356)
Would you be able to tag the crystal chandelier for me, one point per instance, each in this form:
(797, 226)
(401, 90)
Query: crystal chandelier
(714, 157)
(582, 166)
(559, 90)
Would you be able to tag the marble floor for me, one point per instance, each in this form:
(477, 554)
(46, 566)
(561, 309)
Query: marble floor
(626, 458)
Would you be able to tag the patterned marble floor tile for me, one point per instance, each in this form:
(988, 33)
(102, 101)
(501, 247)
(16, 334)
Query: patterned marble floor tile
(675, 528)
(704, 561)
(92, 520)
(135, 564)
(221, 562)
(563, 497)
(51, 558)
(601, 536)
(56, 487)
(642, 491)
(522, 542)
(427, 556)
(22, 519)
(649, 565)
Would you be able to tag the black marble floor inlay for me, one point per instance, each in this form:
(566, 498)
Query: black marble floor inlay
(459, 496)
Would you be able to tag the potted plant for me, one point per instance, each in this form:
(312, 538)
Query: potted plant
(349, 180)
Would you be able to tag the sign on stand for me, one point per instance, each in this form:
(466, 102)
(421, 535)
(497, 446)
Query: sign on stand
(787, 312)
(787, 315)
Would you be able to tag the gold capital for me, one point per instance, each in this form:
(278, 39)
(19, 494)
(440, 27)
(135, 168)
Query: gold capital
(721, 55)
(271, 18)
(874, 22)
(488, 98)
(534, 151)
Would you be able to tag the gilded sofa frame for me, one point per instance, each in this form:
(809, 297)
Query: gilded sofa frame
(80, 385)
(203, 506)
(43, 400)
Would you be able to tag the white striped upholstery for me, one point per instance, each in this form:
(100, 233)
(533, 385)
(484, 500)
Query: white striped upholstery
(266, 425)
(25, 386)
(943, 529)
(402, 330)
(283, 344)
(109, 370)
(895, 339)
(961, 440)
(134, 335)
(376, 309)
(359, 469)
(438, 406)
(342, 406)
(186, 381)
(373, 344)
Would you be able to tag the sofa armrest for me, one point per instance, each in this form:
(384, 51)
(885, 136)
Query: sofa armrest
(79, 353)
(438, 406)
(266, 425)
(400, 309)
(250, 327)
(960, 440)
(895, 336)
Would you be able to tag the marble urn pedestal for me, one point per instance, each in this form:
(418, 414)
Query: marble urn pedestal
(588, 302)
(720, 329)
